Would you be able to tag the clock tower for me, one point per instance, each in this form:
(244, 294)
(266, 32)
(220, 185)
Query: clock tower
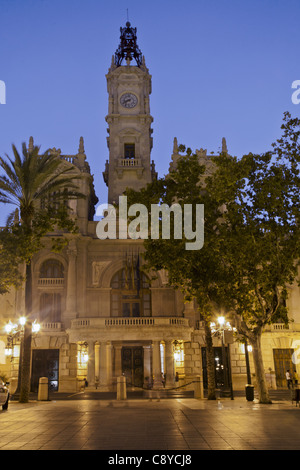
(129, 121)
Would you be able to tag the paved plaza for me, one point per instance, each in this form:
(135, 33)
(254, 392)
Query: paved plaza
(143, 424)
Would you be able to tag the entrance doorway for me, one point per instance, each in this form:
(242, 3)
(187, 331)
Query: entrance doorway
(220, 368)
(133, 365)
(283, 362)
(45, 363)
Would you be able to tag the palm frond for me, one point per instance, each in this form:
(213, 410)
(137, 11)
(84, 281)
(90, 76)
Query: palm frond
(31, 176)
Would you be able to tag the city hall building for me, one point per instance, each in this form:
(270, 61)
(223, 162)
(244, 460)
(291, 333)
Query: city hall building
(101, 314)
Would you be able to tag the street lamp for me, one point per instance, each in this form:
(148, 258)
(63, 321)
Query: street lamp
(249, 387)
(248, 348)
(15, 334)
(224, 330)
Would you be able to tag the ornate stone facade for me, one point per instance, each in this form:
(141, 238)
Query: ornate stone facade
(101, 316)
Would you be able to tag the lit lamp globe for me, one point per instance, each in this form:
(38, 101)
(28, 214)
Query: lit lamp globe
(36, 327)
(22, 321)
(8, 328)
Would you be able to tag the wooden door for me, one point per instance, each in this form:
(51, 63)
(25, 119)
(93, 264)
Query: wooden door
(283, 362)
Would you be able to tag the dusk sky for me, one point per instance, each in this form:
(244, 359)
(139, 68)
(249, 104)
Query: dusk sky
(220, 68)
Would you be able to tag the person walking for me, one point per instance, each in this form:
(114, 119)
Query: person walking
(296, 378)
(289, 379)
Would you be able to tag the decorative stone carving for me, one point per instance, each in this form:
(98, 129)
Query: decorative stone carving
(201, 153)
(81, 146)
(97, 269)
(55, 151)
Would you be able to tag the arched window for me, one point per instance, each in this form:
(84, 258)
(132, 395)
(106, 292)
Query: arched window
(53, 269)
(130, 294)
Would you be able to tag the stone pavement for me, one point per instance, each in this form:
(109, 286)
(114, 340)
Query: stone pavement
(185, 424)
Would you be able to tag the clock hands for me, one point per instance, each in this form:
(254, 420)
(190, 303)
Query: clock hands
(128, 100)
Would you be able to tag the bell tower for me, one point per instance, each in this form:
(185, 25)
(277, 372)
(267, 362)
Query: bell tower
(129, 121)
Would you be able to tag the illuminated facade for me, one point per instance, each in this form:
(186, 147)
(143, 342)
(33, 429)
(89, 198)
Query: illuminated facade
(101, 316)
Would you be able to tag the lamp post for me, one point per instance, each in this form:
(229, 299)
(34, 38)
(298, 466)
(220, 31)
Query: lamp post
(223, 329)
(247, 349)
(15, 334)
(249, 389)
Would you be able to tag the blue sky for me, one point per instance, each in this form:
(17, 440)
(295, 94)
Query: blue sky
(220, 68)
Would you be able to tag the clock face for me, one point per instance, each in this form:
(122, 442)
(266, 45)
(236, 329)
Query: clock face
(128, 100)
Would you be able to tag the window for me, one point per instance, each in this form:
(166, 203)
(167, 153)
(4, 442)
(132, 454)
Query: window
(130, 295)
(129, 151)
(55, 199)
(52, 269)
(50, 308)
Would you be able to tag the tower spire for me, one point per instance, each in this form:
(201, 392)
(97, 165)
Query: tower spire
(128, 48)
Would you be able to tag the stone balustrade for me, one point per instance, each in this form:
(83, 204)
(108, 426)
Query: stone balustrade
(129, 162)
(130, 321)
(131, 328)
(49, 281)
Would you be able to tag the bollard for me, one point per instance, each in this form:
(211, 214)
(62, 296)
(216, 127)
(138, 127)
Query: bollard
(121, 388)
(198, 388)
(249, 389)
(43, 393)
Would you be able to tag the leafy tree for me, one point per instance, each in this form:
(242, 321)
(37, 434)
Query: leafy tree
(252, 240)
(185, 185)
(260, 237)
(39, 186)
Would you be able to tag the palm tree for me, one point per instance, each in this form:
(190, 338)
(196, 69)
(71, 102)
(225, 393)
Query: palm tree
(28, 180)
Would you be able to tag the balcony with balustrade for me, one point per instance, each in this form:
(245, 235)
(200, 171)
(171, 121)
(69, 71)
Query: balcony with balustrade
(130, 329)
(51, 282)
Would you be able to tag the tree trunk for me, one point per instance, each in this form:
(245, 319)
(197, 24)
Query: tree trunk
(259, 370)
(210, 363)
(26, 343)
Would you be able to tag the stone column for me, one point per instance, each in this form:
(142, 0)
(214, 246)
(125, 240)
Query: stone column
(102, 365)
(71, 307)
(118, 360)
(97, 364)
(156, 364)
(109, 349)
(81, 306)
(105, 365)
(170, 376)
(91, 364)
(147, 365)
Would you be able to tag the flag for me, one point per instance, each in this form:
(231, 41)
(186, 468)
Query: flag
(138, 274)
(126, 272)
(132, 272)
